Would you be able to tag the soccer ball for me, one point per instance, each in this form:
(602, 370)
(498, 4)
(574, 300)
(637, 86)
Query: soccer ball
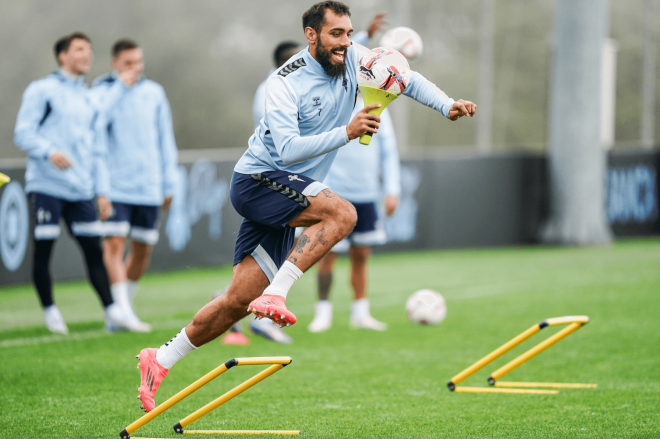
(405, 40)
(427, 307)
(384, 69)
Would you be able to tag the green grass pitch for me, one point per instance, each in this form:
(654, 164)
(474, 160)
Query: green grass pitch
(356, 384)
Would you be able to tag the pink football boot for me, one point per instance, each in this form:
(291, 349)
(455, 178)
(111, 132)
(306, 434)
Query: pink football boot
(274, 308)
(151, 375)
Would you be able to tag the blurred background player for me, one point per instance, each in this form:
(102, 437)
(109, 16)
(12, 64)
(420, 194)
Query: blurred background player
(282, 53)
(66, 170)
(356, 176)
(361, 175)
(142, 160)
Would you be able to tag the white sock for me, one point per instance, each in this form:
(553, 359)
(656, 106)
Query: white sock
(360, 308)
(119, 292)
(174, 350)
(284, 280)
(132, 286)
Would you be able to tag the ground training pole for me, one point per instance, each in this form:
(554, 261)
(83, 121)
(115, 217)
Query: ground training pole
(574, 322)
(277, 364)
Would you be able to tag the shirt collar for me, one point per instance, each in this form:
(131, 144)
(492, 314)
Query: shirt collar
(115, 74)
(313, 64)
(75, 79)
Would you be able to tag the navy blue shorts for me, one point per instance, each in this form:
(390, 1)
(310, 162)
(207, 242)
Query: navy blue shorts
(268, 202)
(369, 229)
(79, 216)
(134, 220)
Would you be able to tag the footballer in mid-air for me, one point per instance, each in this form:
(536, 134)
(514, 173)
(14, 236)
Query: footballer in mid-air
(276, 185)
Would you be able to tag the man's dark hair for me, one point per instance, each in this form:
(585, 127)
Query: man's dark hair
(279, 56)
(314, 17)
(63, 44)
(123, 44)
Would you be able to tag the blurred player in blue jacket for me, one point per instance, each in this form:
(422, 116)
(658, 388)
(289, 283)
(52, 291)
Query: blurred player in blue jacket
(356, 175)
(362, 176)
(57, 126)
(142, 164)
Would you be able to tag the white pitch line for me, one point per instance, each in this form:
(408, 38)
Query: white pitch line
(56, 338)
(26, 341)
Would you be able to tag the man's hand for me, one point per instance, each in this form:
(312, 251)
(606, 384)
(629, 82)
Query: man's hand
(462, 108)
(59, 159)
(105, 207)
(391, 203)
(376, 24)
(166, 202)
(129, 76)
(363, 122)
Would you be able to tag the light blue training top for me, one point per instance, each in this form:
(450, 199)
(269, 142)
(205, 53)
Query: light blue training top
(59, 112)
(307, 113)
(358, 170)
(141, 150)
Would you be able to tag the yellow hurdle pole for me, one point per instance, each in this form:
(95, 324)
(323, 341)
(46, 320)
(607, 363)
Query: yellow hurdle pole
(178, 427)
(545, 344)
(125, 433)
(249, 361)
(462, 389)
(280, 432)
(494, 355)
(550, 385)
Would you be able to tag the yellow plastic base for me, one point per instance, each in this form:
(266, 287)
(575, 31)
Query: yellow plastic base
(280, 432)
(549, 385)
(375, 96)
(462, 389)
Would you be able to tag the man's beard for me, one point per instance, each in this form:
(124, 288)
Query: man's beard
(323, 56)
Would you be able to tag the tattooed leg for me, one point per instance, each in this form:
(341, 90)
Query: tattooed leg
(329, 218)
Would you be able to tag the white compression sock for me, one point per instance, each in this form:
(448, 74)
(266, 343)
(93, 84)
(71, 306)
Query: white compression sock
(132, 289)
(174, 350)
(284, 280)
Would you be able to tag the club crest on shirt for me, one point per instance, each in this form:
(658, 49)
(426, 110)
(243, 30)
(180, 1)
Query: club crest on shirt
(317, 100)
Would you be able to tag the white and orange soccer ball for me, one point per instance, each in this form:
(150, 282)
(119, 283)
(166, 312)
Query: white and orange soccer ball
(405, 40)
(426, 307)
(385, 69)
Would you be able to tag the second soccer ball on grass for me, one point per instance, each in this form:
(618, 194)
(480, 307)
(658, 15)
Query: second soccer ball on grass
(426, 307)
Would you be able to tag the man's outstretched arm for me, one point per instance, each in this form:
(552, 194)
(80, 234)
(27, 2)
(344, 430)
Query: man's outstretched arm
(425, 92)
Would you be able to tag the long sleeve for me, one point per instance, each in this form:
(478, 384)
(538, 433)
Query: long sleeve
(34, 110)
(168, 150)
(104, 95)
(101, 174)
(282, 116)
(389, 160)
(425, 92)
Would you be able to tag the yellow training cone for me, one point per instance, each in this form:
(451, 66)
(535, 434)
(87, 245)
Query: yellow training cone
(375, 96)
(4, 179)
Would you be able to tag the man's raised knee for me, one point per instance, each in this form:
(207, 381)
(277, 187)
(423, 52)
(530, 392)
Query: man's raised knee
(348, 216)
